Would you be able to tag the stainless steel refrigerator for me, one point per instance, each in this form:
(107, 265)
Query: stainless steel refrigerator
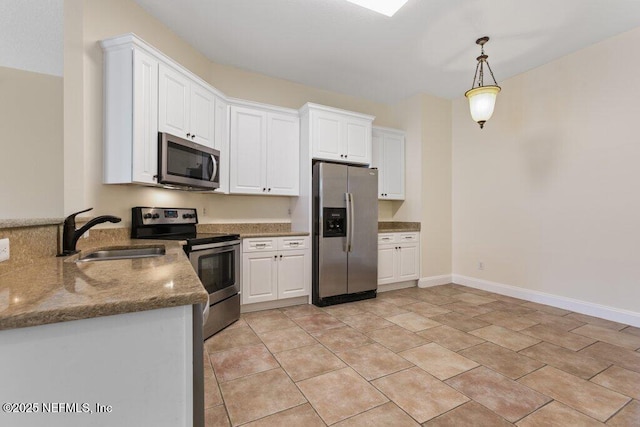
(345, 235)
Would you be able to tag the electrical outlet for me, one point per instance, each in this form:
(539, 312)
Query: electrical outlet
(480, 265)
(4, 249)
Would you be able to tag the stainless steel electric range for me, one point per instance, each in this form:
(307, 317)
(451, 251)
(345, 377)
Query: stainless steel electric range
(214, 256)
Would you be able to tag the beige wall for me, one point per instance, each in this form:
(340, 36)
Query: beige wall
(94, 20)
(31, 162)
(548, 194)
(436, 186)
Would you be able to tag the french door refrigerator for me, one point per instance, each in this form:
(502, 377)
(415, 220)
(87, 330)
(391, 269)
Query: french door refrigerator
(345, 235)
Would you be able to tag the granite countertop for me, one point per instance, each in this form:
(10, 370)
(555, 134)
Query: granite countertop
(397, 226)
(59, 289)
(29, 222)
(249, 235)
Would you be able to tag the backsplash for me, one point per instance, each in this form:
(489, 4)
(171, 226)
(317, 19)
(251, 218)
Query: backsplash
(28, 244)
(245, 228)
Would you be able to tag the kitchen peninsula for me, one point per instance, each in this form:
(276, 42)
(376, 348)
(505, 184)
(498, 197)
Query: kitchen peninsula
(95, 335)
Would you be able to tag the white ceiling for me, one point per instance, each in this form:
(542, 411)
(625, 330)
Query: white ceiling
(427, 46)
(31, 35)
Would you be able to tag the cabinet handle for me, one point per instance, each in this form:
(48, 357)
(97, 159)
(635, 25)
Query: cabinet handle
(294, 243)
(264, 189)
(189, 135)
(280, 256)
(261, 245)
(345, 156)
(193, 136)
(275, 257)
(269, 189)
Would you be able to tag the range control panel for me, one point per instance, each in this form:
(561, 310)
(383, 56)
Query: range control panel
(158, 216)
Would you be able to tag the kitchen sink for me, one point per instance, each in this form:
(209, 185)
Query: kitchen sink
(127, 252)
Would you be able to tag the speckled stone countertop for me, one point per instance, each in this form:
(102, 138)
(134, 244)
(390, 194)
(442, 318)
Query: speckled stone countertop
(60, 289)
(29, 222)
(273, 234)
(397, 226)
(249, 230)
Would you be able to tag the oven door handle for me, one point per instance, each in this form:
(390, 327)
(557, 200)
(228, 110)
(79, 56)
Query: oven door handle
(214, 245)
(205, 312)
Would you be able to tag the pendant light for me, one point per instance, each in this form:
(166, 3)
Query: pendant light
(482, 99)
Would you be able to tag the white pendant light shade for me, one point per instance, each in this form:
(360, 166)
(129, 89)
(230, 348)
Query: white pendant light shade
(482, 101)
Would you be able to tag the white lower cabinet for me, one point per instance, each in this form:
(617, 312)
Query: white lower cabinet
(275, 268)
(398, 257)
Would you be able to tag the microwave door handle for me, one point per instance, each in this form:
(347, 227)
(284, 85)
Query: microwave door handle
(214, 168)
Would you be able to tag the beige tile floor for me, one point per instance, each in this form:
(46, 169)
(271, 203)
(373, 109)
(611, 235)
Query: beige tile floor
(443, 356)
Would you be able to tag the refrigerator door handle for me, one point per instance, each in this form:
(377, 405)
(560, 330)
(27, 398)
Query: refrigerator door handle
(347, 244)
(350, 224)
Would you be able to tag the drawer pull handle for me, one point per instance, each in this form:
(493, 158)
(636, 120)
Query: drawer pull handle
(294, 243)
(261, 245)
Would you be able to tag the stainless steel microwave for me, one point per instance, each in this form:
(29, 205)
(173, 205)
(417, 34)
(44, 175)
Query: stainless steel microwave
(186, 165)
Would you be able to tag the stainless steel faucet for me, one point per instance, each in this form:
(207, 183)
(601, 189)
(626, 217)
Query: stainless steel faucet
(70, 235)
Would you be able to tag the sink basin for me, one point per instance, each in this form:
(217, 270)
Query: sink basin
(131, 252)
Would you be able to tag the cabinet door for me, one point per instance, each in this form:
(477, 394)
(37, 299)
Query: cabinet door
(386, 255)
(259, 277)
(221, 142)
(327, 139)
(202, 114)
(377, 161)
(294, 274)
(358, 141)
(283, 155)
(247, 151)
(408, 262)
(174, 103)
(145, 118)
(393, 166)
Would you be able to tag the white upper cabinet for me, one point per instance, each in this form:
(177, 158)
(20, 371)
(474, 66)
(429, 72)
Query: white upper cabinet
(283, 154)
(338, 135)
(186, 108)
(247, 145)
(264, 151)
(389, 158)
(130, 113)
(146, 93)
(221, 142)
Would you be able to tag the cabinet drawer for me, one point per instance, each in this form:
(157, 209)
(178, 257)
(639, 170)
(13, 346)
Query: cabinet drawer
(259, 245)
(296, 242)
(407, 237)
(386, 238)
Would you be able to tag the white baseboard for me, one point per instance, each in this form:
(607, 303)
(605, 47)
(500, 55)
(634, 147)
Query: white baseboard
(427, 282)
(395, 286)
(627, 317)
(269, 305)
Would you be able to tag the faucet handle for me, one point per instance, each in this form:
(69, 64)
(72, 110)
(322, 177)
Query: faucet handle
(72, 218)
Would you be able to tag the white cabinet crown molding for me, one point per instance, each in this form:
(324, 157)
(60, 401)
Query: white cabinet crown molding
(131, 39)
(259, 105)
(310, 105)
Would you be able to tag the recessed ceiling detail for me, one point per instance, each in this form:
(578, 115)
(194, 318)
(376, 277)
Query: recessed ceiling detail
(384, 7)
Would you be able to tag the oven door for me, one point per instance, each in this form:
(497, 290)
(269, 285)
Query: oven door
(218, 267)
